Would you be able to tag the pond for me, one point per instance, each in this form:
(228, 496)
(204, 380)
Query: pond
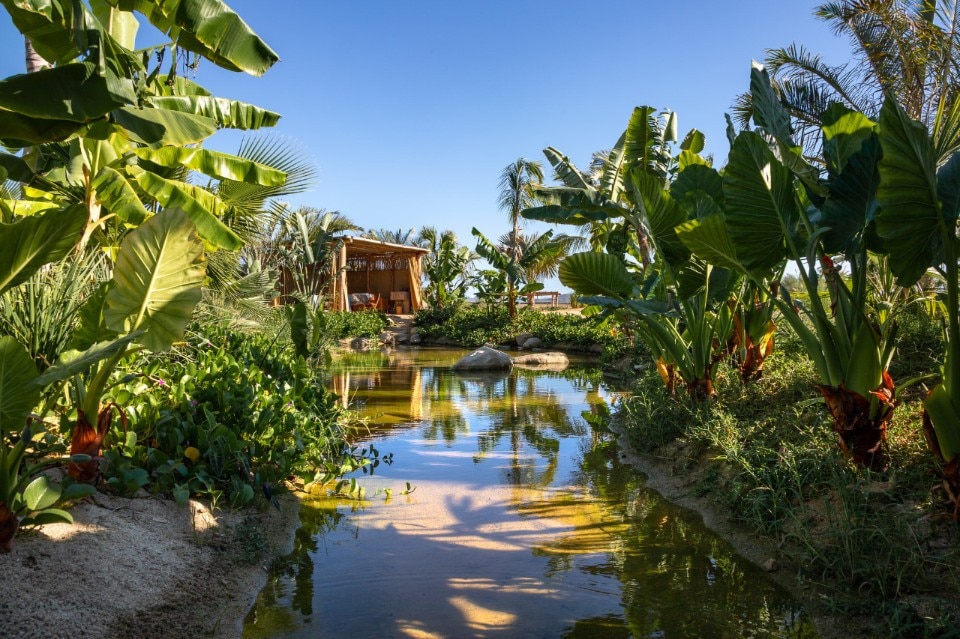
(522, 521)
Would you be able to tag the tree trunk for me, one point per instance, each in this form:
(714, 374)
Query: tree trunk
(34, 61)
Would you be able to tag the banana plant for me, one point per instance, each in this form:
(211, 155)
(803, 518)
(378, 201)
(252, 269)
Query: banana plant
(919, 205)
(772, 215)
(106, 129)
(516, 267)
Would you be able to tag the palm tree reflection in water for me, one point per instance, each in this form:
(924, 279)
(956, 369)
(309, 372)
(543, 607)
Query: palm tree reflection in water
(524, 523)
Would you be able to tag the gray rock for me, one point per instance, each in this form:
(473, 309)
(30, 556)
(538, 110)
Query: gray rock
(552, 360)
(596, 348)
(485, 359)
(388, 339)
(771, 565)
(523, 337)
(533, 342)
(415, 338)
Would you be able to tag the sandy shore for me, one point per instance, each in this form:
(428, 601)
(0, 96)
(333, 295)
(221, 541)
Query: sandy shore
(139, 568)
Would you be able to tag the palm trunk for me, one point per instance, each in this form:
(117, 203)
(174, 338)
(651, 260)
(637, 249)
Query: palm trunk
(33, 60)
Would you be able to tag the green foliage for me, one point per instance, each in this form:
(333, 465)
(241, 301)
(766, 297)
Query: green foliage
(761, 450)
(475, 325)
(343, 324)
(220, 417)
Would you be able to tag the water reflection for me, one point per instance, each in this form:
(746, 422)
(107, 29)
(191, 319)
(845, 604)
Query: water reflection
(524, 523)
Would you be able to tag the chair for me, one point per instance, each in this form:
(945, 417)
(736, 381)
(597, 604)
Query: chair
(364, 301)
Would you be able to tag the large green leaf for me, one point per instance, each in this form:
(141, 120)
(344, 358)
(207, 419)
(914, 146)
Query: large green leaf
(18, 394)
(844, 132)
(772, 117)
(73, 92)
(30, 243)
(215, 164)
(594, 273)
(157, 280)
(159, 126)
(118, 197)
(851, 201)
(41, 493)
(709, 239)
(909, 219)
(201, 206)
(73, 363)
(229, 114)
(663, 216)
(207, 27)
(641, 142)
(614, 173)
(563, 205)
(946, 421)
(565, 170)
(63, 30)
(762, 209)
(18, 131)
(698, 177)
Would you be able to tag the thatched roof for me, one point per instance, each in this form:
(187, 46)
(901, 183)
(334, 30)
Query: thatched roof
(364, 247)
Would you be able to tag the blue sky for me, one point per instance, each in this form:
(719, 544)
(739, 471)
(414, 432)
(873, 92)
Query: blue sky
(411, 109)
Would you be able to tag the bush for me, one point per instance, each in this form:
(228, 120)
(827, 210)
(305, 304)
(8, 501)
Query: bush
(224, 415)
(474, 325)
(343, 324)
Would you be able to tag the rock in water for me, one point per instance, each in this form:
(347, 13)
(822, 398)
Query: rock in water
(552, 360)
(485, 359)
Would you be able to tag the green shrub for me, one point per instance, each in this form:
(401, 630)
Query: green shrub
(473, 325)
(343, 324)
(221, 416)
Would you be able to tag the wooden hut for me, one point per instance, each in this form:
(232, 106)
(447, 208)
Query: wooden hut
(377, 275)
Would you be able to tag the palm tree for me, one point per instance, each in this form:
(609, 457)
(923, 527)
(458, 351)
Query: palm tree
(408, 237)
(517, 183)
(903, 48)
(540, 254)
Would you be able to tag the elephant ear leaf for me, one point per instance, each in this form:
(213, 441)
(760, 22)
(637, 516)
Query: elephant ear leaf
(594, 273)
(27, 245)
(909, 217)
(18, 393)
(160, 268)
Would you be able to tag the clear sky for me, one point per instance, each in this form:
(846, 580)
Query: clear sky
(411, 109)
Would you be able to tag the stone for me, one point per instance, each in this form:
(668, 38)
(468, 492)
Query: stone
(771, 565)
(522, 338)
(415, 339)
(388, 339)
(596, 348)
(485, 359)
(552, 359)
(533, 342)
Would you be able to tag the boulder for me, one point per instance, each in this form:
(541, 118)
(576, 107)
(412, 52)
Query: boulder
(533, 342)
(523, 337)
(552, 360)
(415, 338)
(485, 359)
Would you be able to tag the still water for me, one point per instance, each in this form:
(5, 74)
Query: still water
(522, 522)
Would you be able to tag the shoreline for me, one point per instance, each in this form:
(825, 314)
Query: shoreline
(141, 568)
